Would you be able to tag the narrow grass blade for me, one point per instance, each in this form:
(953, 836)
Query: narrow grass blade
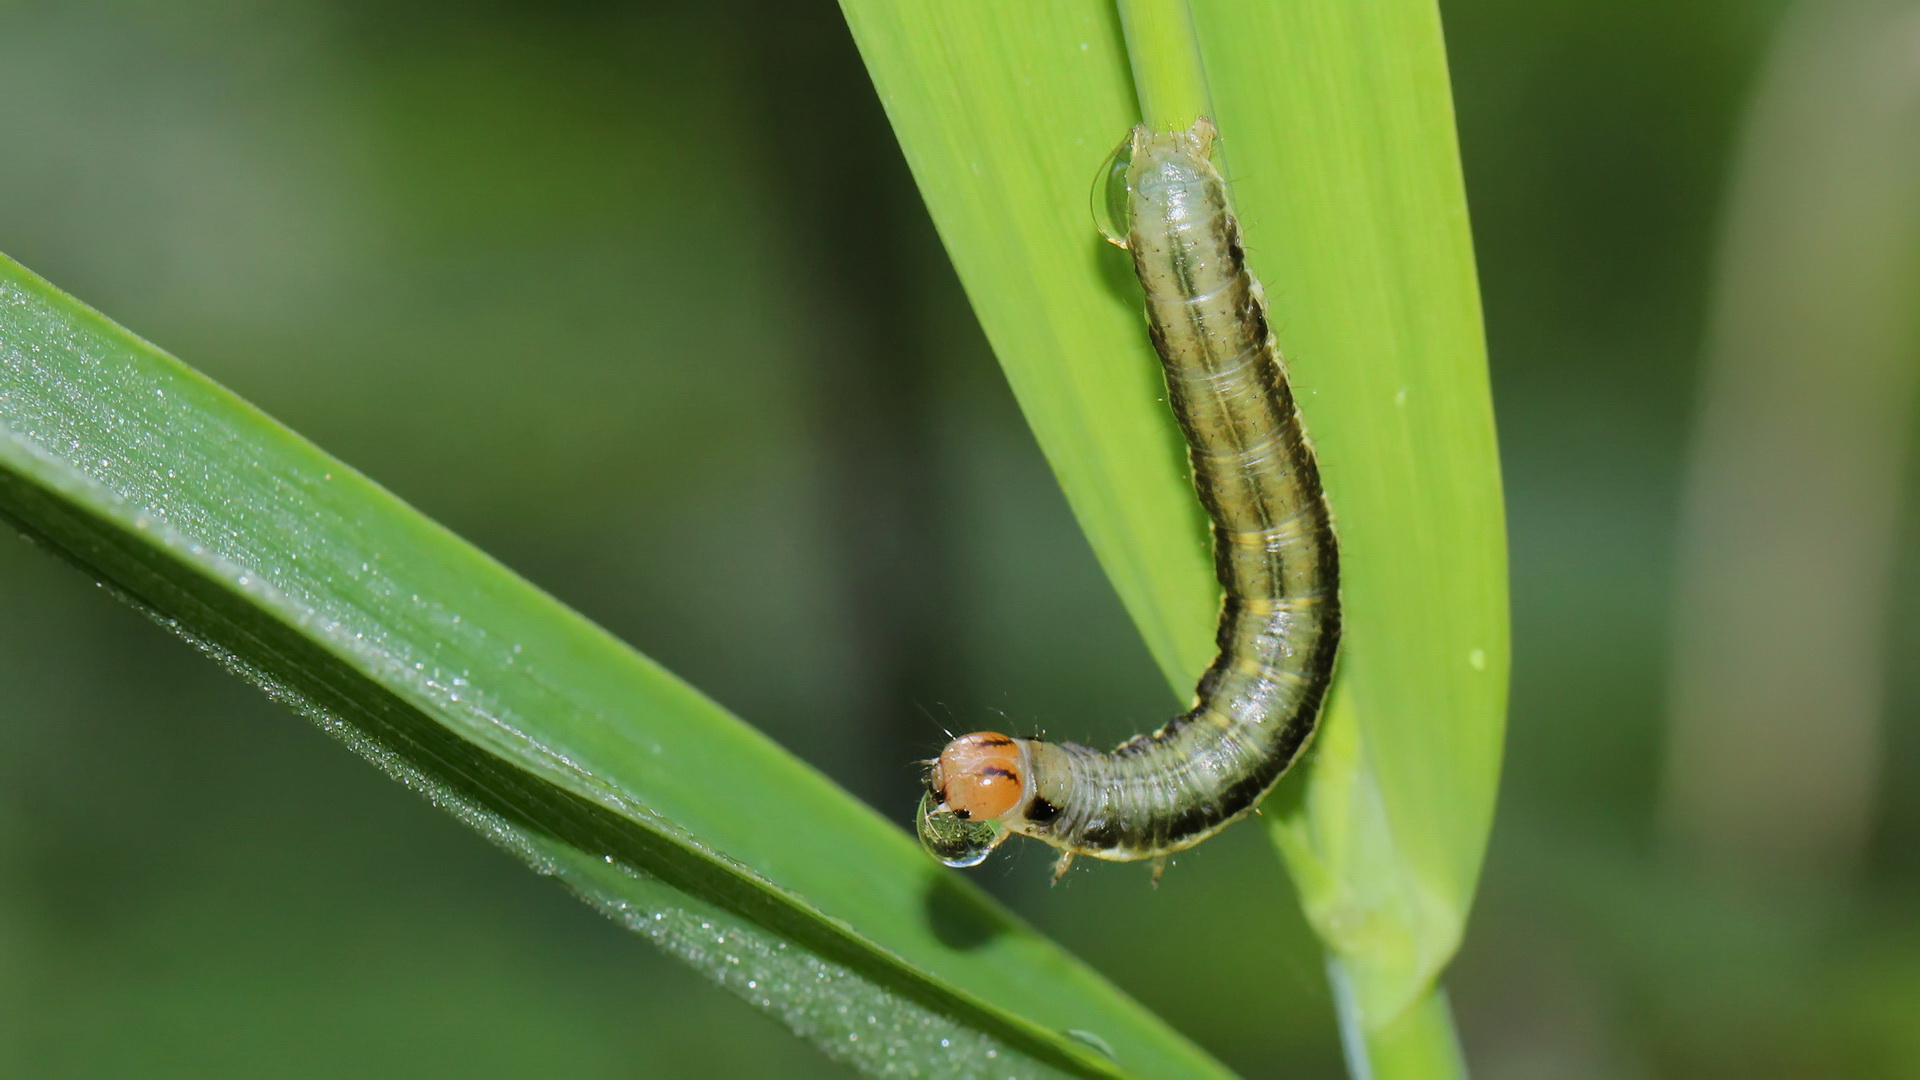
(1005, 111)
(1349, 186)
(1338, 130)
(525, 720)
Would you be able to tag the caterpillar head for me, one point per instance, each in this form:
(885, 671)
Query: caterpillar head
(979, 776)
(975, 780)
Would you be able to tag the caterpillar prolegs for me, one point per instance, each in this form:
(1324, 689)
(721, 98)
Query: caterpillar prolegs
(1273, 551)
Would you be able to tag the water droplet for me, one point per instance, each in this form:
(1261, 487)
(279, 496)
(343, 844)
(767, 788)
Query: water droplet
(1109, 199)
(1088, 1038)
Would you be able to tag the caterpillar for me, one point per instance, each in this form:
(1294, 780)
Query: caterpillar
(1274, 553)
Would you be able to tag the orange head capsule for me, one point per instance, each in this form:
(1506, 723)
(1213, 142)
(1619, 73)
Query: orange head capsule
(978, 776)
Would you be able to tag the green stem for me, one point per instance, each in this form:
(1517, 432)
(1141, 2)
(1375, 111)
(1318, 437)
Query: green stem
(1419, 1044)
(1164, 51)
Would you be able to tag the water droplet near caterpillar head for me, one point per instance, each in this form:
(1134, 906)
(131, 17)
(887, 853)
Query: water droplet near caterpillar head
(953, 839)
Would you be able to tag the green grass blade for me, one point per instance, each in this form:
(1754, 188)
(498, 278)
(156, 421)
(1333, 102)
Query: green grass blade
(1351, 193)
(525, 720)
(1005, 111)
(1337, 124)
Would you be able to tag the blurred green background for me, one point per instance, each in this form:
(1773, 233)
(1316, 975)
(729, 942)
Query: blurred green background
(640, 298)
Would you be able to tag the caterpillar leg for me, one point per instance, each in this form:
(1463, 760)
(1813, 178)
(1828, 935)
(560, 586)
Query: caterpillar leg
(1159, 867)
(1060, 868)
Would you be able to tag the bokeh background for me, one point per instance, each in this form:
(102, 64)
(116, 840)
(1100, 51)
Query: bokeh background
(640, 298)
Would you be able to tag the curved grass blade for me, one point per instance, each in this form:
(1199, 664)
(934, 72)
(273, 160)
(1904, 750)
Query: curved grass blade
(1337, 126)
(1351, 190)
(525, 720)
